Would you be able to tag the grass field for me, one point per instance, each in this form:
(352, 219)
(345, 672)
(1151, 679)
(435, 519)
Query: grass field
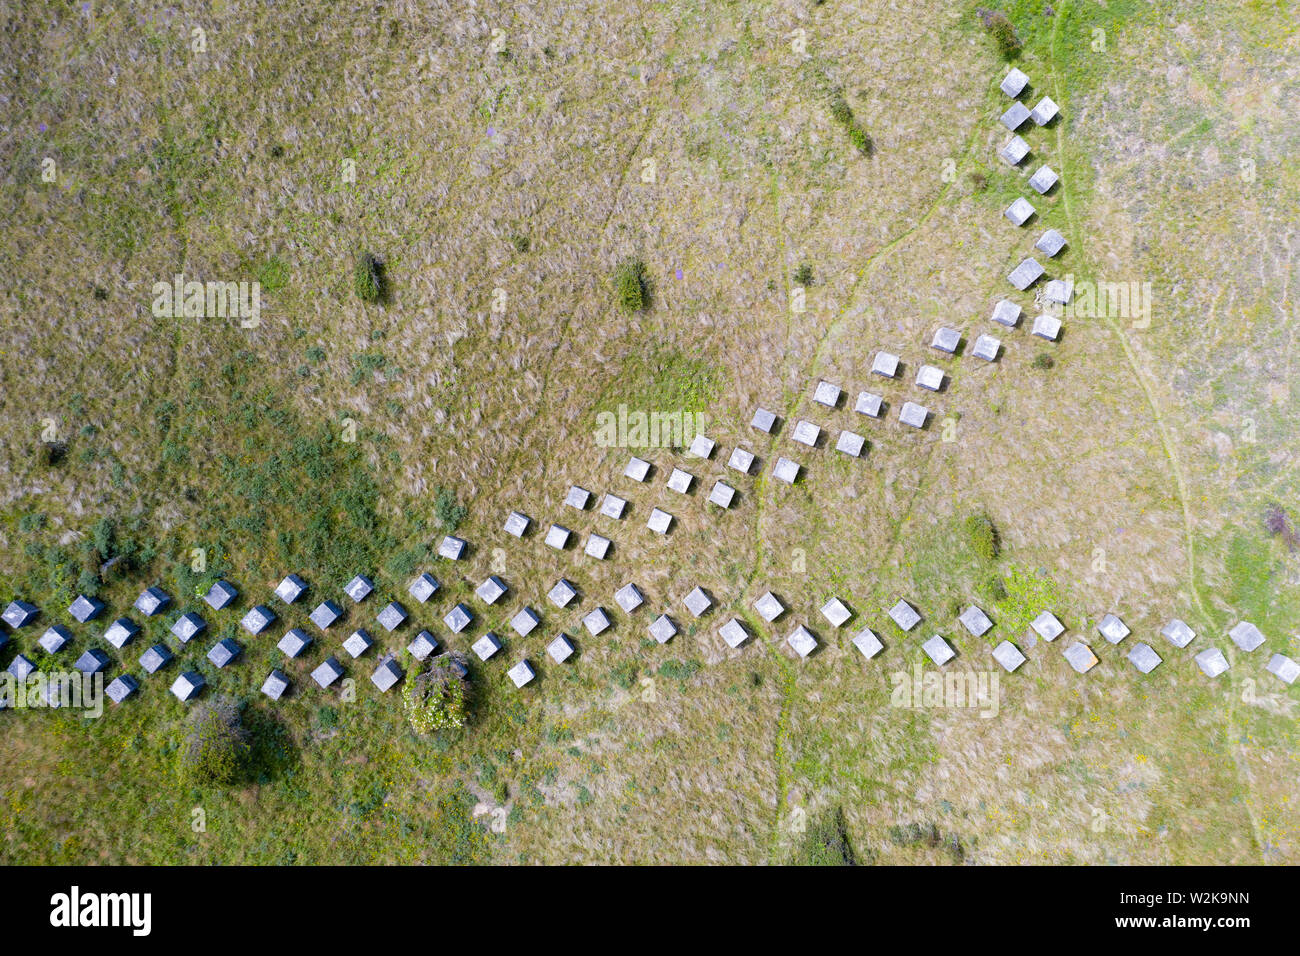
(501, 162)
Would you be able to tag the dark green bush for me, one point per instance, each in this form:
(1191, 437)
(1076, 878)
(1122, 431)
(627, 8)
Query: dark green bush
(842, 113)
(630, 285)
(449, 513)
(52, 453)
(368, 279)
(999, 26)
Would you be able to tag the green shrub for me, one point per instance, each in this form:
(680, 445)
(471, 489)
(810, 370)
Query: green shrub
(449, 513)
(521, 242)
(842, 113)
(859, 138)
(804, 275)
(1043, 361)
(31, 523)
(368, 279)
(437, 698)
(52, 453)
(999, 26)
(88, 583)
(630, 286)
(983, 537)
(216, 748)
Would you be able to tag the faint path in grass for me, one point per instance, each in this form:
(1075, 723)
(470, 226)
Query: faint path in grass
(538, 408)
(834, 328)
(780, 736)
(780, 732)
(1139, 371)
(1143, 379)
(791, 405)
(874, 260)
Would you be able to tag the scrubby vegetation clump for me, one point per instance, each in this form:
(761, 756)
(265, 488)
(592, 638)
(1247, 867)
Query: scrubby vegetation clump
(983, 537)
(437, 698)
(999, 26)
(842, 113)
(450, 514)
(630, 287)
(369, 280)
(216, 750)
(826, 842)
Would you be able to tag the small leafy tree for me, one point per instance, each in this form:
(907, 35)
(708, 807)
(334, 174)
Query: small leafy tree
(804, 275)
(216, 749)
(437, 698)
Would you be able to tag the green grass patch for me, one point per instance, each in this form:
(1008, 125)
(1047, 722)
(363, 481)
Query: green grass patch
(666, 380)
(274, 274)
(1029, 592)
